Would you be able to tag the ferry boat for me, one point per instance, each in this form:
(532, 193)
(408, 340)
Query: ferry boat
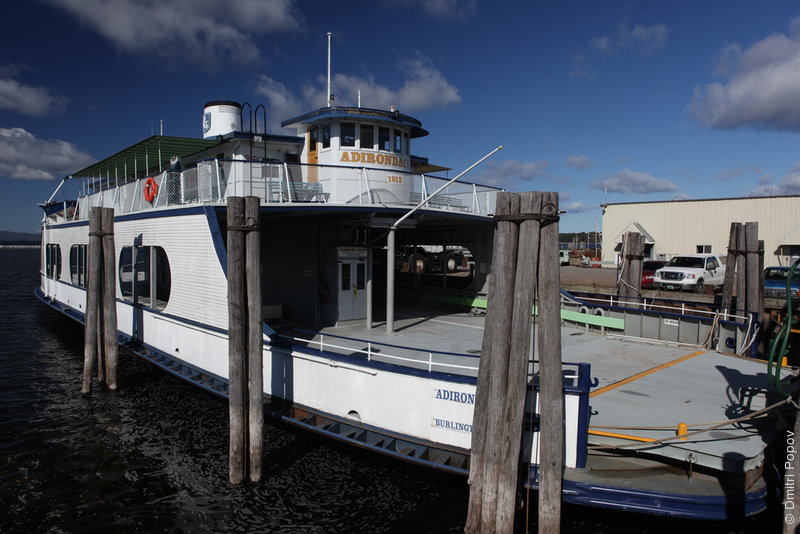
(635, 371)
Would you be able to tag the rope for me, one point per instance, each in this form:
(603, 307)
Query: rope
(696, 432)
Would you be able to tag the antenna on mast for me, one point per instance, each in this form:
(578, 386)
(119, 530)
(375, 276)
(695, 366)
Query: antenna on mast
(330, 96)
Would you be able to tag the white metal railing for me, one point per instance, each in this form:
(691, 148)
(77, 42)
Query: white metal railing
(212, 181)
(684, 308)
(426, 358)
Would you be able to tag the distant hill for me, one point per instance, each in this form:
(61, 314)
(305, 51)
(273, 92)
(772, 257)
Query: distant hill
(18, 237)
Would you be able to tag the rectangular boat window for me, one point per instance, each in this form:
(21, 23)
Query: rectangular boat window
(397, 140)
(406, 146)
(326, 136)
(348, 134)
(383, 139)
(313, 137)
(144, 276)
(53, 261)
(361, 275)
(367, 137)
(345, 277)
(78, 267)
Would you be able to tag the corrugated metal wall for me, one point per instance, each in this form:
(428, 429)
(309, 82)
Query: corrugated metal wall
(678, 227)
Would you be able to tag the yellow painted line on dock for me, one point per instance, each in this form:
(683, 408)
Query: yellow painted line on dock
(637, 376)
(621, 436)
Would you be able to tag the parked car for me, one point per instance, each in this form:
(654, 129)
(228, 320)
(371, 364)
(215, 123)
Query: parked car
(563, 257)
(775, 283)
(649, 268)
(691, 272)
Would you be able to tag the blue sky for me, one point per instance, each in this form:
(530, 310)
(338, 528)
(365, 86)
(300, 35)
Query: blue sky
(602, 101)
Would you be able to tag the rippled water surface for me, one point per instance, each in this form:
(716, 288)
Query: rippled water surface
(152, 456)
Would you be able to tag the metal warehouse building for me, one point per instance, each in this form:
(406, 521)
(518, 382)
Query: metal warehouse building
(691, 226)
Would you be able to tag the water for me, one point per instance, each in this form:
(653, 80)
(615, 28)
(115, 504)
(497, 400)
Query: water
(152, 456)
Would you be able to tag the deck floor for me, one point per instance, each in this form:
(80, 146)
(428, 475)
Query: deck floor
(640, 385)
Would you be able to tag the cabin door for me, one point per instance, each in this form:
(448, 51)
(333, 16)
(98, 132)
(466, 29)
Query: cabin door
(352, 283)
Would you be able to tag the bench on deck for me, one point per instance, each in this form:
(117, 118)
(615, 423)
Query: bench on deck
(281, 191)
(450, 202)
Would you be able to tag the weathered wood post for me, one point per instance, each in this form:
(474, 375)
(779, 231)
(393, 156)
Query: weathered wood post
(110, 347)
(551, 391)
(245, 345)
(93, 287)
(493, 373)
(630, 284)
(255, 368)
(237, 342)
(751, 263)
(729, 287)
(519, 253)
(741, 269)
(531, 205)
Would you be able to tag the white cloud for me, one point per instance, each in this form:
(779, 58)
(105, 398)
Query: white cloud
(425, 87)
(445, 10)
(579, 163)
(282, 104)
(502, 173)
(202, 32)
(24, 157)
(627, 181)
(761, 89)
(788, 185)
(576, 207)
(637, 41)
(27, 99)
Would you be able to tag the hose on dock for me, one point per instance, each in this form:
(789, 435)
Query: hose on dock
(780, 342)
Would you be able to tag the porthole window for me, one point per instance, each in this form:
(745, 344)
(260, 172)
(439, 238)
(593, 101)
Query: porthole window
(78, 264)
(144, 276)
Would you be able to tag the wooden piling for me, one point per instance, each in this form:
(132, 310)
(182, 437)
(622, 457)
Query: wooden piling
(751, 263)
(90, 345)
(110, 347)
(741, 270)
(519, 358)
(551, 391)
(255, 369)
(492, 377)
(237, 348)
(632, 253)
(245, 340)
(729, 287)
(520, 251)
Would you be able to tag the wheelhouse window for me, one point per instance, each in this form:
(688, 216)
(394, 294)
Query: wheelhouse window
(367, 136)
(313, 138)
(383, 139)
(78, 264)
(326, 136)
(398, 139)
(52, 263)
(144, 276)
(348, 134)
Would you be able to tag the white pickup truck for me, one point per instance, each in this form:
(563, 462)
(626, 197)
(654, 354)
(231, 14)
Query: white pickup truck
(691, 272)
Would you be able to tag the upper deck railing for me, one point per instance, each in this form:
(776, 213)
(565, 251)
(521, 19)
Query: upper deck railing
(212, 181)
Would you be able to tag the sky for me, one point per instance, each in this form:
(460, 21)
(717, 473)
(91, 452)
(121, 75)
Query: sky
(601, 101)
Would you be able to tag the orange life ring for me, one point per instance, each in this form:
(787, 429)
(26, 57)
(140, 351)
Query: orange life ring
(150, 189)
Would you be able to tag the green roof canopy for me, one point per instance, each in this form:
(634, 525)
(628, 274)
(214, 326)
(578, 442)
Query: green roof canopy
(151, 153)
